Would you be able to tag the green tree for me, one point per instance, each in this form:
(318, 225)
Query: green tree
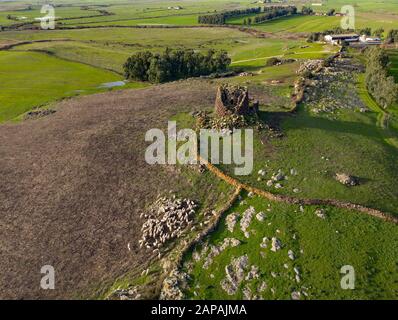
(365, 31)
(378, 32)
(137, 65)
(331, 12)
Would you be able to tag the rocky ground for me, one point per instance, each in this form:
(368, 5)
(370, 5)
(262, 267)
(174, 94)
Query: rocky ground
(332, 87)
(241, 276)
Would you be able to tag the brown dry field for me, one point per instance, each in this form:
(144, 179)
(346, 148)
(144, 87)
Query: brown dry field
(73, 184)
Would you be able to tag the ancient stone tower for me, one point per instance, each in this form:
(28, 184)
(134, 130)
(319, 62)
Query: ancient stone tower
(233, 100)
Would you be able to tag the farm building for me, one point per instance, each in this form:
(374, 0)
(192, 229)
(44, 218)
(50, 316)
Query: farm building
(368, 40)
(339, 38)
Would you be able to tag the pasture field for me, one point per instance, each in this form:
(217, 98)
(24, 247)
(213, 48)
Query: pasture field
(351, 141)
(320, 246)
(108, 49)
(38, 79)
(152, 13)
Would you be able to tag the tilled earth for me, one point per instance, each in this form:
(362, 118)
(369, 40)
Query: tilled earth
(74, 183)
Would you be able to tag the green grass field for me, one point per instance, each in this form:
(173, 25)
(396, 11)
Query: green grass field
(108, 49)
(367, 13)
(321, 248)
(29, 79)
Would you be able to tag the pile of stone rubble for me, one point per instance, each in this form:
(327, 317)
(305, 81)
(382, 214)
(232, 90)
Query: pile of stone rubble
(334, 87)
(173, 286)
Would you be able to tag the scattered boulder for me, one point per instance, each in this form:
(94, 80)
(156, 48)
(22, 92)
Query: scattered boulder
(262, 287)
(131, 293)
(346, 179)
(276, 244)
(252, 274)
(279, 176)
(246, 220)
(291, 255)
(264, 243)
(260, 216)
(320, 213)
(231, 220)
(247, 293)
(235, 273)
(296, 295)
(262, 172)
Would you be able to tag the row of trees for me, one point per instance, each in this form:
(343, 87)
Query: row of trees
(173, 65)
(369, 32)
(269, 13)
(380, 85)
(274, 12)
(220, 18)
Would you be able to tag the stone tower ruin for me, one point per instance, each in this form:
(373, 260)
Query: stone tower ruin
(233, 100)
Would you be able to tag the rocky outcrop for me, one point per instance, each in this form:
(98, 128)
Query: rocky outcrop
(216, 250)
(246, 220)
(173, 286)
(235, 274)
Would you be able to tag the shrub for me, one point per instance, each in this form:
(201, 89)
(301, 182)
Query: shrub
(381, 86)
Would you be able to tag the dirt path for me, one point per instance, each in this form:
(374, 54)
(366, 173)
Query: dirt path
(292, 200)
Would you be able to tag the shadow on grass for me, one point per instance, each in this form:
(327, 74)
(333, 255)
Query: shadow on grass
(304, 120)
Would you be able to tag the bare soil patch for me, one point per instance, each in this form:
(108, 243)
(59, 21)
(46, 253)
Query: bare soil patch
(73, 184)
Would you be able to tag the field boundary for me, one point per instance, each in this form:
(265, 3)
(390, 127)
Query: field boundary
(292, 200)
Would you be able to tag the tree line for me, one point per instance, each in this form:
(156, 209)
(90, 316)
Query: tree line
(274, 12)
(174, 64)
(220, 18)
(378, 82)
(307, 10)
